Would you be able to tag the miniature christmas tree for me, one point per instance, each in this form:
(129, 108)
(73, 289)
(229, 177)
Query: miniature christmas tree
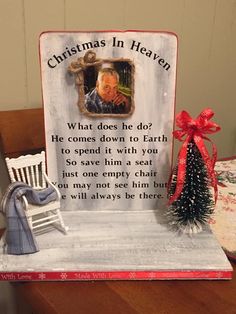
(195, 204)
(190, 195)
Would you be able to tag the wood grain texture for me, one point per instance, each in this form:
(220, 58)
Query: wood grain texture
(118, 241)
(22, 131)
(128, 297)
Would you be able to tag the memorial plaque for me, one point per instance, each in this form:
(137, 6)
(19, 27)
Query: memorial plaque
(109, 101)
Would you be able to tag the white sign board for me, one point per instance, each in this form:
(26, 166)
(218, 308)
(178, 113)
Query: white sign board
(109, 101)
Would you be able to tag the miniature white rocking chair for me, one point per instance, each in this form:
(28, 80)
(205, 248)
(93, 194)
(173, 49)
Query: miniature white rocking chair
(30, 169)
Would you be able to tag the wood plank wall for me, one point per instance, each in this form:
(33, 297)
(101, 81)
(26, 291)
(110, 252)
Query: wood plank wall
(207, 49)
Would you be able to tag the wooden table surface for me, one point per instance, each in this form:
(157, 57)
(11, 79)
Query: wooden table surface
(131, 297)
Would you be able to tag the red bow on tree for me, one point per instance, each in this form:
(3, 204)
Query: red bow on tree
(195, 130)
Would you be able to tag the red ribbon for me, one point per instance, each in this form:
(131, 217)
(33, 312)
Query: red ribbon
(195, 130)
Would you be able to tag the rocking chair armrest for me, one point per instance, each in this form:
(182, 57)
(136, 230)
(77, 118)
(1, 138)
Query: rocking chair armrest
(25, 202)
(49, 182)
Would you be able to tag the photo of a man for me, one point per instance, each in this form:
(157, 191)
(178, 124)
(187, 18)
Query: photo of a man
(106, 98)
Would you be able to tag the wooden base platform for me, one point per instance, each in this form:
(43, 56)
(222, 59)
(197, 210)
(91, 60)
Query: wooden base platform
(118, 245)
